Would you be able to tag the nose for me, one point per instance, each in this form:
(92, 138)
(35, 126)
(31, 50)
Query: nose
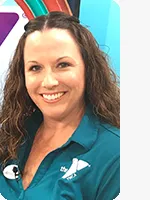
(49, 80)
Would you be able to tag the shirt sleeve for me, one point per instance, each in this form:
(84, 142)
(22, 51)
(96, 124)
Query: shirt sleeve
(109, 187)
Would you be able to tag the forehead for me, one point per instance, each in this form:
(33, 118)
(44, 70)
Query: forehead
(51, 40)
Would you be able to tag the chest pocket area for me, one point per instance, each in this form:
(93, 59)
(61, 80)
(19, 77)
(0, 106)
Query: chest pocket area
(73, 184)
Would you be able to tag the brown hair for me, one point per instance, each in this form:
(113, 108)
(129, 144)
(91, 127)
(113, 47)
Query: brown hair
(101, 90)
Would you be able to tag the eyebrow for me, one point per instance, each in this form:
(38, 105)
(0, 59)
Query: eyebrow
(62, 58)
(33, 61)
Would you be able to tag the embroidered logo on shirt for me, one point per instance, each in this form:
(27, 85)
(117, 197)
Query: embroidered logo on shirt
(1, 197)
(77, 165)
(63, 169)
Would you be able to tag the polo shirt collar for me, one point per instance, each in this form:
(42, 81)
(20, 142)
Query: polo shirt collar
(87, 131)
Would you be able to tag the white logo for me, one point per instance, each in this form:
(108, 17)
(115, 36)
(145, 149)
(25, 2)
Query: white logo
(77, 165)
(1, 197)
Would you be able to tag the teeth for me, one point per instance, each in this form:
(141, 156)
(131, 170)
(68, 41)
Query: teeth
(53, 96)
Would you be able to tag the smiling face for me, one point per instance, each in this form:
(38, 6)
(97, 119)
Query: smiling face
(54, 72)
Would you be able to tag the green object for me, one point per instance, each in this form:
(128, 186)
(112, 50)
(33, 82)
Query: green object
(86, 167)
(37, 7)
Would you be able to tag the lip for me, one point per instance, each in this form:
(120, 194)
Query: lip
(55, 100)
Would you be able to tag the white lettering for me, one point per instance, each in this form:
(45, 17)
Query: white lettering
(72, 176)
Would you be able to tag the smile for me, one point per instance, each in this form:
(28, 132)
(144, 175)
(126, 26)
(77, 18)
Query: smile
(53, 97)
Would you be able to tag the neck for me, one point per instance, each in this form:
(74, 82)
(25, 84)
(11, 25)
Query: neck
(63, 128)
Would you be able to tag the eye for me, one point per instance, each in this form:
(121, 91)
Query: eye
(35, 68)
(63, 65)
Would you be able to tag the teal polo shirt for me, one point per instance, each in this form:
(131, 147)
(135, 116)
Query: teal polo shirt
(86, 167)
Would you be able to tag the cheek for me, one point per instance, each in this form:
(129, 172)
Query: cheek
(30, 82)
(77, 80)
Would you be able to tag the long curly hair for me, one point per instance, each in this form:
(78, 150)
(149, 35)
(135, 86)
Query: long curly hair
(101, 90)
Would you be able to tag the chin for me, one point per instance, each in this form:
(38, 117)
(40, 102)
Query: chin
(54, 113)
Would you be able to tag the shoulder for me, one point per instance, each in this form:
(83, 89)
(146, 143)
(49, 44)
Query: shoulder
(107, 128)
(104, 129)
(102, 155)
(108, 134)
(105, 137)
(105, 160)
(107, 144)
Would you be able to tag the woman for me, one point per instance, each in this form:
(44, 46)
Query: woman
(59, 136)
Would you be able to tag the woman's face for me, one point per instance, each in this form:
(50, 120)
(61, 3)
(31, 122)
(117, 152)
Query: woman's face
(54, 72)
